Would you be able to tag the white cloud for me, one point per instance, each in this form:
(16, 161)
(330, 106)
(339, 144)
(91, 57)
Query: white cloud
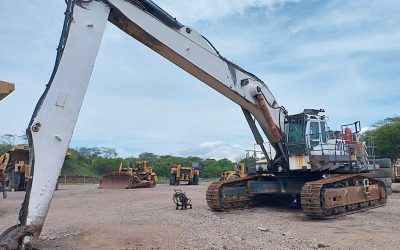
(211, 10)
(210, 144)
(218, 150)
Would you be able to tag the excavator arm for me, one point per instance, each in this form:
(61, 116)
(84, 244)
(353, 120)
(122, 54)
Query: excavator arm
(54, 118)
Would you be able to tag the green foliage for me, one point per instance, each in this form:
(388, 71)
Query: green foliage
(79, 163)
(76, 165)
(386, 135)
(9, 141)
(4, 147)
(98, 161)
(102, 166)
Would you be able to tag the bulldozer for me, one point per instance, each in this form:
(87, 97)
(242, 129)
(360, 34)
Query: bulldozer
(137, 175)
(190, 175)
(240, 171)
(243, 169)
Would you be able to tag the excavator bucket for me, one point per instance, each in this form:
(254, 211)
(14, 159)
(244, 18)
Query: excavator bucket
(123, 181)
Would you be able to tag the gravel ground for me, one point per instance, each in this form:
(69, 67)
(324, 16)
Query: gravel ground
(83, 217)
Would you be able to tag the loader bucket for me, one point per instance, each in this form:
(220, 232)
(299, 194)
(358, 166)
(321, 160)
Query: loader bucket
(116, 181)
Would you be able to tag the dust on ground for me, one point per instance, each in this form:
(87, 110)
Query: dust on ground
(84, 217)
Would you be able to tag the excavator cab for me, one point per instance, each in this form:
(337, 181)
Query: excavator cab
(304, 131)
(311, 145)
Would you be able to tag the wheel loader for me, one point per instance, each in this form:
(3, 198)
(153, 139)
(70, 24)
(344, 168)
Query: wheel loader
(179, 174)
(137, 175)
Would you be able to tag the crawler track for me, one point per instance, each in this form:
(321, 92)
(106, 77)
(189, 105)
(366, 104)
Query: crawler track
(347, 193)
(214, 197)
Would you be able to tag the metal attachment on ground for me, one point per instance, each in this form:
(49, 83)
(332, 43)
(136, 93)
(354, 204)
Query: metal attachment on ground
(16, 237)
(181, 200)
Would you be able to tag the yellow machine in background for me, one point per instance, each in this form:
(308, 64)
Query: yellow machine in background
(137, 175)
(5, 89)
(396, 171)
(14, 165)
(240, 171)
(179, 173)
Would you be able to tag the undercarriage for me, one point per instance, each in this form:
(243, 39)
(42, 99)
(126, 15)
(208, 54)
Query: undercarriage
(320, 197)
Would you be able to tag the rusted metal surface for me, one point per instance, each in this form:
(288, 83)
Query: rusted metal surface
(340, 195)
(277, 137)
(11, 238)
(219, 201)
(124, 181)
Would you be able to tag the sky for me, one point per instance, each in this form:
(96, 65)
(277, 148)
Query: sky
(342, 56)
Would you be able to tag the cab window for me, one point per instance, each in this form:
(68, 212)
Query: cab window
(323, 132)
(314, 130)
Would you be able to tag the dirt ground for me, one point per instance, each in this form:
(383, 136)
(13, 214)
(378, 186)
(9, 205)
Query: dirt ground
(84, 217)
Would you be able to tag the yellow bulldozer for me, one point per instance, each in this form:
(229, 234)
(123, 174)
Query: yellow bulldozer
(190, 175)
(240, 171)
(137, 175)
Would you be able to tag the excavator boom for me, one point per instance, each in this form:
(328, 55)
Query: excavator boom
(54, 118)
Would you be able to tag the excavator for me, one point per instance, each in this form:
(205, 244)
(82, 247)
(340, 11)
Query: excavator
(325, 172)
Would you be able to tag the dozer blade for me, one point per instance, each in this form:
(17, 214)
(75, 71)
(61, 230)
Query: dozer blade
(124, 181)
(116, 181)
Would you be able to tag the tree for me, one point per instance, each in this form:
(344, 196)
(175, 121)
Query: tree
(89, 153)
(148, 157)
(8, 141)
(386, 135)
(108, 152)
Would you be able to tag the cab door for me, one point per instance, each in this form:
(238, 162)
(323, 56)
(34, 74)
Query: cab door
(314, 136)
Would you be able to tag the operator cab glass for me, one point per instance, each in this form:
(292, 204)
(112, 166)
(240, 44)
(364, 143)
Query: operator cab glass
(305, 131)
(295, 134)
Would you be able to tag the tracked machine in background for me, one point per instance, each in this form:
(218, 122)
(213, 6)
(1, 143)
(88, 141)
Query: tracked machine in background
(138, 175)
(180, 174)
(248, 166)
(240, 171)
(323, 171)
